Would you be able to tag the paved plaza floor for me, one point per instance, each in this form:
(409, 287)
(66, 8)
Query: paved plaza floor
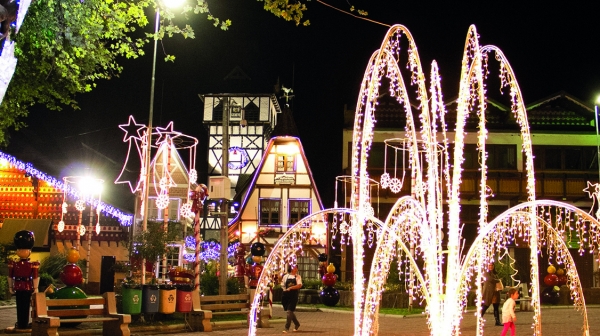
(557, 320)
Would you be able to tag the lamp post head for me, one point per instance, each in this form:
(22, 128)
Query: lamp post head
(172, 3)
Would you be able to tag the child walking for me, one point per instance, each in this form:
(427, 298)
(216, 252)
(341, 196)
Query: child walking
(508, 312)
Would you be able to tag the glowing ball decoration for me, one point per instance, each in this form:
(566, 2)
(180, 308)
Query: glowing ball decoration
(562, 279)
(72, 255)
(71, 275)
(551, 269)
(551, 280)
(329, 279)
(329, 296)
(560, 271)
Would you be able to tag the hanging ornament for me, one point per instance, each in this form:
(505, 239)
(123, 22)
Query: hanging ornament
(81, 230)
(162, 201)
(61, 226)
(193, 176)
(186, 210)
(97, 228)
(385, 180)
(64, 207)
(80, 205)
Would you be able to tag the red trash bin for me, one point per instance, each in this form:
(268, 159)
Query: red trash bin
(184, 299)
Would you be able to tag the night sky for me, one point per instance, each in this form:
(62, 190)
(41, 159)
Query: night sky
(551, 48)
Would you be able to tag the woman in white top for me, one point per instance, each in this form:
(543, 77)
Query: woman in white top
(291, 284)
(508, 312)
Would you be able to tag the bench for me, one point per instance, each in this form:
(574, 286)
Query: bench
(524, 300)
(226, 304)
(48, 314)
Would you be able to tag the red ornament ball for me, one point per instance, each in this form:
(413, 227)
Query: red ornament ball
(562, 279)
(71, 275)
(551, 280)
(329, 279)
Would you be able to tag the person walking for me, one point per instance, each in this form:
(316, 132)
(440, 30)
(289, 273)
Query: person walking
(508, 312)
(491, 293)
(291, 284)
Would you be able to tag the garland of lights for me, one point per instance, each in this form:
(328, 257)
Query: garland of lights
(107, 209)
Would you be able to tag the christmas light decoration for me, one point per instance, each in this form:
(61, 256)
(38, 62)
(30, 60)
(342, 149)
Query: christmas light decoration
(124, 219)
(419, 233)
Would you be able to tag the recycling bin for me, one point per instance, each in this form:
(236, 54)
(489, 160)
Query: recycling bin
(167, 299)
(132, 300)
(184, 298)
(150, 299)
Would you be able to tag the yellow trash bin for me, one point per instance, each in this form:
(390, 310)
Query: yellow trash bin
(167, 299)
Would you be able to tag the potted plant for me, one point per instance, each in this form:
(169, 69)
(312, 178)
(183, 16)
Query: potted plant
(150, 245)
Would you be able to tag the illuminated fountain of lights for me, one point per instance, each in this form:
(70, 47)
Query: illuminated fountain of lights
(414, 230)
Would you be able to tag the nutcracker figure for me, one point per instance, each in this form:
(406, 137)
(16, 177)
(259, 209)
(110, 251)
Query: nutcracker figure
(253, 272)
(23, 277)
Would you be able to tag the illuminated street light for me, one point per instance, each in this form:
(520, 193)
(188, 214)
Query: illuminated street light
(88, 188)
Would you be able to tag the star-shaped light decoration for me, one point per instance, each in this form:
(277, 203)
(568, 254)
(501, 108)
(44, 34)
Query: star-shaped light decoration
(593, 190)
(134, 135)
(133, 131)
(165, 132)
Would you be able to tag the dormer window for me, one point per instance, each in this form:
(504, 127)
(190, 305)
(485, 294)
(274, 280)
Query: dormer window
(286, 163)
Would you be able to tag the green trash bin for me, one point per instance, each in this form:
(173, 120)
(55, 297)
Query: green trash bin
(167, 299)
(132, 300)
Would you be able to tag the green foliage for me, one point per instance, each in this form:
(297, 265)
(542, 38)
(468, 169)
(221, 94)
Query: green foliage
(346, 285)
(209, 282)
(4, 294)
(153, 242)
(209, 285)
(506, 268)
(311, 283)
(6, 253)
(233, 286)
(45, 281)
(287, 11)
(65, 47)
(54, 264)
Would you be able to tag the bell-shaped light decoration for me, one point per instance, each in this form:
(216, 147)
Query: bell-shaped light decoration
(81, 230)
(61, 226)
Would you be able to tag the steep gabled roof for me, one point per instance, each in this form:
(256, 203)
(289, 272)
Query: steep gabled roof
(250, 186)
(286, 126)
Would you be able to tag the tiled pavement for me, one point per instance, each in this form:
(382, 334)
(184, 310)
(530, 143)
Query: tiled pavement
(559, 320)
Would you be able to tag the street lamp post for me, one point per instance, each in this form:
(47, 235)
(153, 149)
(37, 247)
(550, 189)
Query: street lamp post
(147, 161)
(90, 187)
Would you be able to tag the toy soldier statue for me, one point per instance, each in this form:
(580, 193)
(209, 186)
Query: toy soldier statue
(23, 277)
